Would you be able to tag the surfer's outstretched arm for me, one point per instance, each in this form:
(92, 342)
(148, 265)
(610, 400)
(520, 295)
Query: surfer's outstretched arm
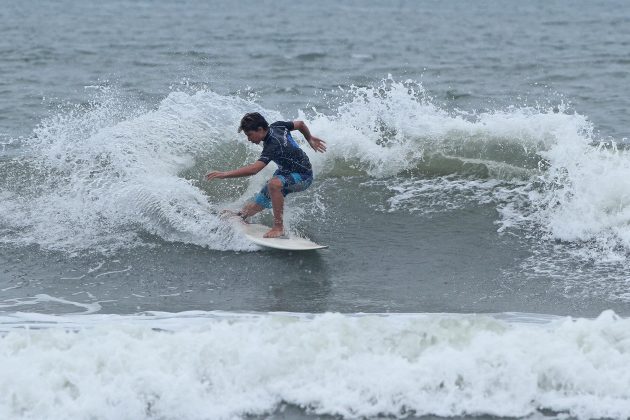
(316, 143)
(248, 170)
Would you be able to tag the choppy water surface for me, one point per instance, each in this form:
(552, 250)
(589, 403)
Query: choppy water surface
(477, 163)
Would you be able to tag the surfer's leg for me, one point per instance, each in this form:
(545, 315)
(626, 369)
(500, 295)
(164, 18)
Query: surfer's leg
(274, 186)
(276, 189)
(249, 209)
(255, 205)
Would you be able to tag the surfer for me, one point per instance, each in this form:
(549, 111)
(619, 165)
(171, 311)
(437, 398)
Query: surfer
(294, 171)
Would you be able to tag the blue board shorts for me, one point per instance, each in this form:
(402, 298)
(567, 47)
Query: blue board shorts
(293, 182)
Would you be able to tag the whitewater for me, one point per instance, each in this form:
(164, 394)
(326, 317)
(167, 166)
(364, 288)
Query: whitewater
(219, 365)
(474, 197)
(107, 172)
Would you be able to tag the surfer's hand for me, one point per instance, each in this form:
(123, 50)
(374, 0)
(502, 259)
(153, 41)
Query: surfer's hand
(215, 174)
(317, 144)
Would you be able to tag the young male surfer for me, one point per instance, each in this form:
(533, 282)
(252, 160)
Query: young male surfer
(294, 171)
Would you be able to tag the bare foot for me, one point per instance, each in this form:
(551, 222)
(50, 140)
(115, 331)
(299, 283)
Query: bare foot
(275, 232)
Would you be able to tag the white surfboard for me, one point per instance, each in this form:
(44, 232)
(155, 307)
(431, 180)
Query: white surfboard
(254, 232)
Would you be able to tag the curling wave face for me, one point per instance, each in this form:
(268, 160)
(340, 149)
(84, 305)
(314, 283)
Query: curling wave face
(111, 176)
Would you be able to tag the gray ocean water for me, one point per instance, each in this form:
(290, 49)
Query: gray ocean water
(477, 164)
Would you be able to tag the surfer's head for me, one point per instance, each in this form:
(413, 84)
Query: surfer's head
(254, 126)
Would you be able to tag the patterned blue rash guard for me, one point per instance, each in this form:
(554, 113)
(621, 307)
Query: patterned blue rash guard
(280, 147)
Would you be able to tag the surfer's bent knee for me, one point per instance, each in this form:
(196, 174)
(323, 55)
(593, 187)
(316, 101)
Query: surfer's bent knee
(276, 183)
(287, 184)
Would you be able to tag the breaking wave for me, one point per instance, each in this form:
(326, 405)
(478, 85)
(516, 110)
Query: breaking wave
(213, 365)
(111, 175)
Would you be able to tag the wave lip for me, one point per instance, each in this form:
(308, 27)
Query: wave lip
(228, 365)
(112, 176)
(109, 174)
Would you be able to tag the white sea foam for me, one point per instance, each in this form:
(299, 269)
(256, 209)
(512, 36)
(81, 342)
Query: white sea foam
(88, 308)
(199, 365)
(549, 176)
(587, 196)
(101, 178)
(435, 195)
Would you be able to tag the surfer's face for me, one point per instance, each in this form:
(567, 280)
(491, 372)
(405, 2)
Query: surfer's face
(256, 136)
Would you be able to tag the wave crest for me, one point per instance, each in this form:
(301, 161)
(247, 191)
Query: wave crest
(97, 176)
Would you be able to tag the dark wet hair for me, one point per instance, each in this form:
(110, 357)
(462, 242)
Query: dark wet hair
(252, 121)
